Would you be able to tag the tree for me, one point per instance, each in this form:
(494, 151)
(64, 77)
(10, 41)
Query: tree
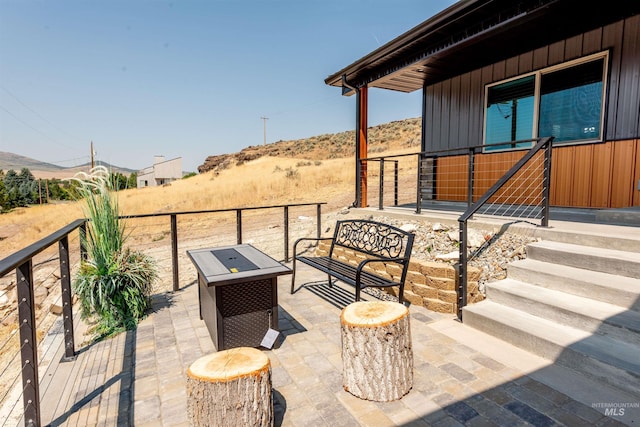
(132, 181)
(4, 197)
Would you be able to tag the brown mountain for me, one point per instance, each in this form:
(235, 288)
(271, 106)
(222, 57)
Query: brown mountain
(392, 135)
(41, 169)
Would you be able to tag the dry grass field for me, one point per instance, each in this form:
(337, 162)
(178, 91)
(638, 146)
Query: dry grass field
(262, 182)
(283, 172)
(316, 170)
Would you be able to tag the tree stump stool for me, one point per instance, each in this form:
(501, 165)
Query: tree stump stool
(230, 388)
(377, 358)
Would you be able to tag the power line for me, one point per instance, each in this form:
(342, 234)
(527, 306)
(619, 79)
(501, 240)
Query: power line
(33, 128)
(38, 114)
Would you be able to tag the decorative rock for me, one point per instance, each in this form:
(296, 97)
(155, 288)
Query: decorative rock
(409, 228)
(40, 294)
(4, 299)
(451, 256)
(439, 227)
(55, 309)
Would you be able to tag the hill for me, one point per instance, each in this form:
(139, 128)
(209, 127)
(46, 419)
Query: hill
(17, 162)
(396, 135)
(45, 170)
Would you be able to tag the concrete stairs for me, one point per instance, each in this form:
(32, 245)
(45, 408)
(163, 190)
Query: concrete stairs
(575, 304)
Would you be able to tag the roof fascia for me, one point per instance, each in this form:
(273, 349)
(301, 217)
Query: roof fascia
(415, 33)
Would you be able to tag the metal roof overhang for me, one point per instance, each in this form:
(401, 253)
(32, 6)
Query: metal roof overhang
(473, 33)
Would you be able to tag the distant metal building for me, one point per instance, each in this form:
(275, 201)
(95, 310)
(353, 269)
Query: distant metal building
(162, 172)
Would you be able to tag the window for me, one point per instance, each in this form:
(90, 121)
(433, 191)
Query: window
(565, 102)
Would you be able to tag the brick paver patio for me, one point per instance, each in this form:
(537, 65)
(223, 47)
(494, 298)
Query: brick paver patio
(461, 376)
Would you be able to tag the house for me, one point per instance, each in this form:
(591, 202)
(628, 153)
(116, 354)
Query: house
(162, 172)
(494, 71)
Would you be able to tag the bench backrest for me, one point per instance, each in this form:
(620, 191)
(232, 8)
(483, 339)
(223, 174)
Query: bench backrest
(373, 238)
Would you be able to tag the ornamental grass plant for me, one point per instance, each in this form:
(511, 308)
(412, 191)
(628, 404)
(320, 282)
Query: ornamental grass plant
(114, 283)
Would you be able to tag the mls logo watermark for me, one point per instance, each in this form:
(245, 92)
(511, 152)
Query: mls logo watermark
(615, 409)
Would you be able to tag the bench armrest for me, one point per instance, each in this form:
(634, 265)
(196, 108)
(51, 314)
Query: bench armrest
(362, 264)
(315, 239)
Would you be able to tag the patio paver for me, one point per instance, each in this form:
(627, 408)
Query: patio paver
(461, 376)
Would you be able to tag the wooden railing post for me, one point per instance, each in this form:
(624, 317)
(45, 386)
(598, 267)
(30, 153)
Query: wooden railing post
(28, 343)
(67, 305)
(239, 226)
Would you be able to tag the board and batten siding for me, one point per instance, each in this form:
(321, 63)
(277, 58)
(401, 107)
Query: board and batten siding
(585, 175)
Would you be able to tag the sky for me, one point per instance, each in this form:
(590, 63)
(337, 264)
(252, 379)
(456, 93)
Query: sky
(186, 78)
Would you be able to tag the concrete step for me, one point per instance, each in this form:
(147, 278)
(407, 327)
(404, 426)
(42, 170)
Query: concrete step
(611, 261)
(611, 361)
(623, 216)
(609, 288)
(594, 235)
(571, 310)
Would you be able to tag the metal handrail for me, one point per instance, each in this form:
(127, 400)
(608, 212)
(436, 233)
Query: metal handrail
(543, 143)
(470, 151)
(22, 262)
(16, 259)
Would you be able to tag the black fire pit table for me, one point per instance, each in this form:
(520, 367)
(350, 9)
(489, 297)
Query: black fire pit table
(238, 294)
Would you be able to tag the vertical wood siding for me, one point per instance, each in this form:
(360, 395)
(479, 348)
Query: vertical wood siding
(601, 166)
(593, 175)
(636, 179)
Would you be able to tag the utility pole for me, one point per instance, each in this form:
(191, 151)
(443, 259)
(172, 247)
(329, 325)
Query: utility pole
(264, 119)
(92, 162)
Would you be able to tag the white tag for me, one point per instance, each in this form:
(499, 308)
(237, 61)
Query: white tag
(270, 338)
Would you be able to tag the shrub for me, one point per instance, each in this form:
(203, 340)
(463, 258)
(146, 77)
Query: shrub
(292, 173)
(114, 284)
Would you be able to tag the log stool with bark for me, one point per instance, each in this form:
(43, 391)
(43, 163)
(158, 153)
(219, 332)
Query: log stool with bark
(377, 357)
(230, 387)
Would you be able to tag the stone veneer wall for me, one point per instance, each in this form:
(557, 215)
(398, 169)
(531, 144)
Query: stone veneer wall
(428, 284)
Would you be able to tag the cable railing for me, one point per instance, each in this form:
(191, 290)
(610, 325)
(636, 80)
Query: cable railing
(428, 178)
(32, 334)
(522, 192)
(482, 179)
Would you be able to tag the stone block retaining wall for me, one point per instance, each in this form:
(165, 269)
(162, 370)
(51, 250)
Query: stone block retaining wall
(428, 284)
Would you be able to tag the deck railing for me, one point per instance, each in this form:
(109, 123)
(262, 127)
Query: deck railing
(486, 178)
(270, 228)
(522, 192)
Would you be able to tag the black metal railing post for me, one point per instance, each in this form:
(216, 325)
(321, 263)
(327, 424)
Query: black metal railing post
(381, 188)
(395, 182)
(318, 220)
(83, 241)
(462, 269)
(470, 176)
(28, 343)
(239, 226)
(419, 186)
(546, 186)
(286, 234)
(174, 252)
(67, 305)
